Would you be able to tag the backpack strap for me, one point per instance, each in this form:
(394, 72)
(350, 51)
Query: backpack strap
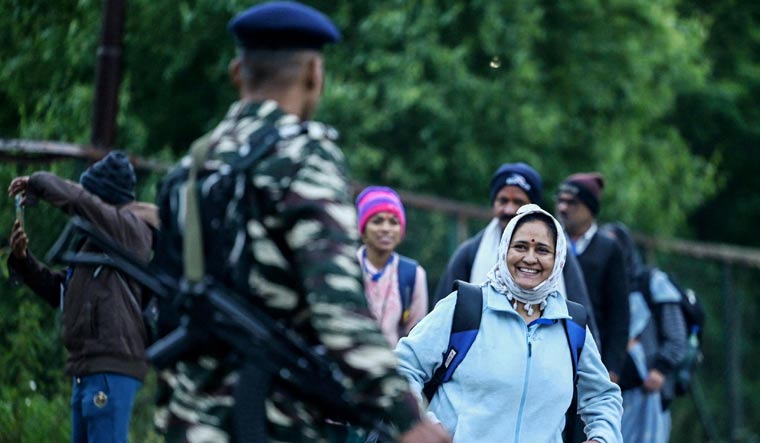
(575, 331)
(260, 142)
(194, 268)
(464, 329)
(466, 323)
(641, 283)
(407, 274)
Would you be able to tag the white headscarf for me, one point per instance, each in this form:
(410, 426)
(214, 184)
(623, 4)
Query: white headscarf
(501, 280)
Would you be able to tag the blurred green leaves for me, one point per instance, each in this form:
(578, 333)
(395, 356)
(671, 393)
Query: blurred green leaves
(413, 89)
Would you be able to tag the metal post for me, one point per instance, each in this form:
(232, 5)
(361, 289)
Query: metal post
(108, 74)
(733, 350)
(461, 228)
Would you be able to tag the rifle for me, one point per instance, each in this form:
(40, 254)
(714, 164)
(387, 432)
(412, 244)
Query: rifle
(271, 352)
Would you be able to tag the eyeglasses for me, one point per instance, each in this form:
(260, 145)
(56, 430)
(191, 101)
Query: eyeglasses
(566, 201)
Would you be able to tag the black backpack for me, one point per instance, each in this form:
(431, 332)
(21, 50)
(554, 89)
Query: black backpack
(226, 202)
(694, 316)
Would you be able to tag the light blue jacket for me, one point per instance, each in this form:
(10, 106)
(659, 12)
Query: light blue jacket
(516, 382)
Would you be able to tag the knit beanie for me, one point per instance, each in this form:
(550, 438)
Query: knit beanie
(517, 174)
(112, 179)
(586, 187)
(374, 199)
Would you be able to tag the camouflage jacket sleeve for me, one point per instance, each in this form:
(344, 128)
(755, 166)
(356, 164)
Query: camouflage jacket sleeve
(319, 222)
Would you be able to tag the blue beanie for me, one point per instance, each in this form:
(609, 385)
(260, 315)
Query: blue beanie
(112, 179)
(517, 174)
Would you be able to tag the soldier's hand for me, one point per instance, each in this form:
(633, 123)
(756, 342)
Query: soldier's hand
(426, 432)
(18, 185)
(19, 241)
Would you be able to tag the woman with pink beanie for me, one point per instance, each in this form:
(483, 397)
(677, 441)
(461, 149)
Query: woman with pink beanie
(395, 286)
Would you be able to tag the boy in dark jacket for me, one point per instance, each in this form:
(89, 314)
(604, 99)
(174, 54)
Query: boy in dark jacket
(102, 325)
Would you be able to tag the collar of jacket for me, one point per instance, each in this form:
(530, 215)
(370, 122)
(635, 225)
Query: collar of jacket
(556, 308)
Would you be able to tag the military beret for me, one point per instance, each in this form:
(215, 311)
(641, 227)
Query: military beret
(283, 25)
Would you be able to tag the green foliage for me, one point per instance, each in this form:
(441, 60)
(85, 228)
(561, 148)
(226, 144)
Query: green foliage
(723, 121)
(31, 417)
(47, 55)
(424, 103)
(33, 395)
(426, 93)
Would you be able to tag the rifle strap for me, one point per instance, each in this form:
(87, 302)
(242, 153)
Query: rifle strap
(192, 241)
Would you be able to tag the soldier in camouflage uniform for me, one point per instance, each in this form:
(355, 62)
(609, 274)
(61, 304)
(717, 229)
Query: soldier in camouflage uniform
(315, 286)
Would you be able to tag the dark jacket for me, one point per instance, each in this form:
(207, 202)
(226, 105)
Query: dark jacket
(102, 326)
(663, 338)
(604, 271)
(460, 265)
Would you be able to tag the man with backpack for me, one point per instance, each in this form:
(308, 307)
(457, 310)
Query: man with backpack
(657, 345)
(577, 205)
(292, 237)
(102, 326)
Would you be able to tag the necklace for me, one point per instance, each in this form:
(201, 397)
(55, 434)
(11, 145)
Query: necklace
(374, 281)
(375, 276)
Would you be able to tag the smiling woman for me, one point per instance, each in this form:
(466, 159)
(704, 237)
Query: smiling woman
(521, 358)
(531, 252)
(531, 256)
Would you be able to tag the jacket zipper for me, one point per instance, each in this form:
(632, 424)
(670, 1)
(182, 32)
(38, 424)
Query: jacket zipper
(132, 297)
(526, 379)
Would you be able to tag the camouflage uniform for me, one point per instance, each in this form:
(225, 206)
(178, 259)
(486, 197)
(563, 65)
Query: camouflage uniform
(316, 290)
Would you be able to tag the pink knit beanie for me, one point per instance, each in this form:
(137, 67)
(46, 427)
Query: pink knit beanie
(374, 199)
